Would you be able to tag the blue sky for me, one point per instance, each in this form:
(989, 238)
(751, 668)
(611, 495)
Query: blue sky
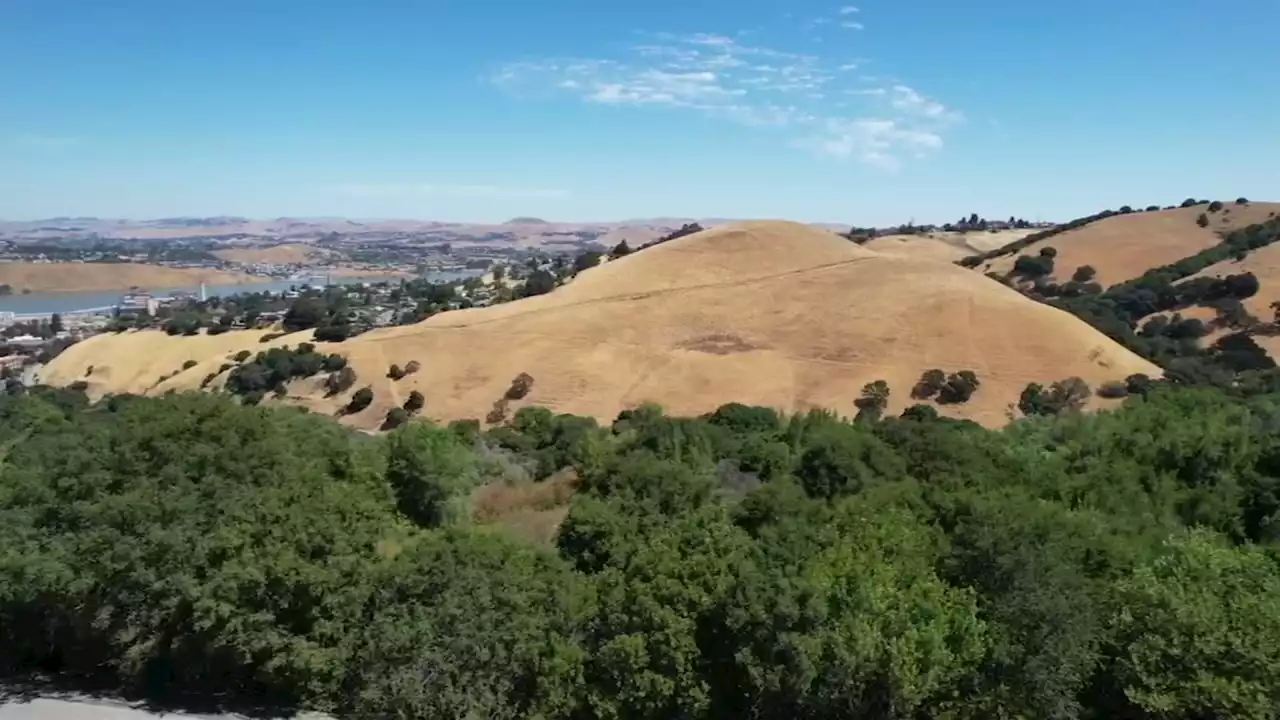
(871, 113)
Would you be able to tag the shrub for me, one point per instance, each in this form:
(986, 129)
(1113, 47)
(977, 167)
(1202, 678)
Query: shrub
(224, 367)
(622, 249)
(1113, 389)
(415, 402)
(280, 390)
(271, 336)
(931, 383)
(412, 367)
(1138, 383)
(340, 381)
(520, 387)
(78, 386)
(1189, 202)
(539, 282)
(395, 418)
(920, 413)
(873, 400)
(360, 400)
(1049, 252)
(1242, 201)
(335, 332)
(1033, 267)
(394, 372)
(498, 413)
(242, 356)
(189, 364)
(1084, 273)
(1063, 395)
(334, 362)
(960, 386)
(1215, 206)
(586, 260)
(1202, 220)
(208, 379)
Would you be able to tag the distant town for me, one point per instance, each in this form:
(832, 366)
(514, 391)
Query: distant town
(338, 293)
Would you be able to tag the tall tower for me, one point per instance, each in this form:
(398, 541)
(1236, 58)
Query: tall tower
(203, 295)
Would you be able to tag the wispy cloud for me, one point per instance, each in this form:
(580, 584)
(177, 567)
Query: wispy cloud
(821, 103)
(848, 10)
(851, 25)
(387, 190)
(41, 140)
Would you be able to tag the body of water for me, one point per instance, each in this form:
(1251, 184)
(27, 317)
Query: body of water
(46, 303)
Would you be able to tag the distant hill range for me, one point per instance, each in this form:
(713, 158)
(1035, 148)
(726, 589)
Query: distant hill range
(520, 231)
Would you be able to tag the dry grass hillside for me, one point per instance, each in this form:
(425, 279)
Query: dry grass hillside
(1123, 247)
(79, 277)
(949, 246)
(134, 361)
(769, 313)
(285, 254)
(1264, 263)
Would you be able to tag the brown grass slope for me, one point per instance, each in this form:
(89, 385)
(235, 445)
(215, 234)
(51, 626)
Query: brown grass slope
(134, 361)
(1122, 247)
(941, 245)
(1264, 263)
(767, 313)
(284, 254)
(78, 277)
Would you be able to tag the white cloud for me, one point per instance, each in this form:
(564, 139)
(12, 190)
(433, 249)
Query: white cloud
(849, 10)
(911, 102)
(875, 141)
(387, 190)
(822, 103)
(848, 24)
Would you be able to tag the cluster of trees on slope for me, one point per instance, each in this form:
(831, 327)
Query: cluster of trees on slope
(1119, 311)
(973, 261)
(740, 564)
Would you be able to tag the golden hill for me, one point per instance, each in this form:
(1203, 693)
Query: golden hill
(768, 313)
(942, 245)
(283, 254)
(134, 361)
(1122, 247)
(78, 277)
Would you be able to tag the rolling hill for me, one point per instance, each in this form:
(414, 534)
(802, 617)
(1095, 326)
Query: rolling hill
(75, 277)
(943, 245)
(283, 254)
(769, 313)
(1123, 247)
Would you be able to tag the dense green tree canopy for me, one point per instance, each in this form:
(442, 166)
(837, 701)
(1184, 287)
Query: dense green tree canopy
(743, 564)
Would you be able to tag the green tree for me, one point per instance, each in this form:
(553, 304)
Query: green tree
(414, 402)
(873, 400)
(469, 625)
(931, 383)
(620, 250)
(1084, 274)
(360, 400)
(1198, 631)
(539, 282)
(430, 472)
(844, 460)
